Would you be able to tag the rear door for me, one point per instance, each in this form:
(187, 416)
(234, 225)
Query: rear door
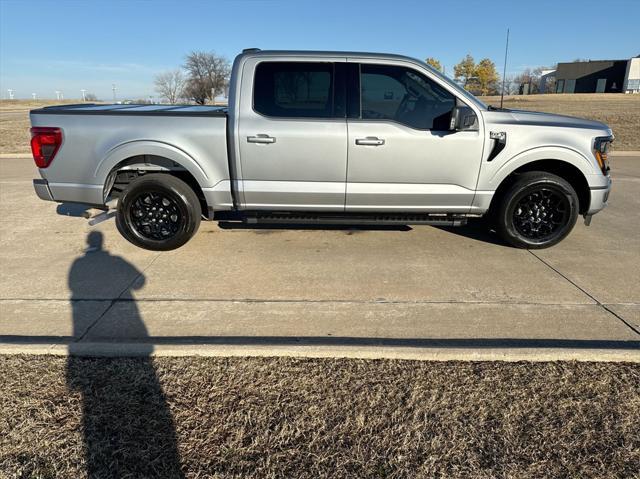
(402, 155)
(292, 134)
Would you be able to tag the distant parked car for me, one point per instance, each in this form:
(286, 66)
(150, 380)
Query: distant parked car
(326, 138)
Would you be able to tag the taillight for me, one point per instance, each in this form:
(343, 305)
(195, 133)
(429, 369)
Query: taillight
(45, 143)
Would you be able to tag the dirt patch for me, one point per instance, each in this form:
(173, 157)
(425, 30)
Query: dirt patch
(280, 417)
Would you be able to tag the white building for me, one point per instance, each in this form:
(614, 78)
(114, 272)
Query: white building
(632, 76)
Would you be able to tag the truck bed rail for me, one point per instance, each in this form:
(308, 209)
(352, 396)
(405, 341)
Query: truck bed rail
(133, 109)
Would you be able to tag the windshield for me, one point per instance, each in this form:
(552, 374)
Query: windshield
(455, 86)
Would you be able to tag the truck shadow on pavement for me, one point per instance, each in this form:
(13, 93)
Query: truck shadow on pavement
(75, 210)
(141, 439)
(476, 229)
(278, 227)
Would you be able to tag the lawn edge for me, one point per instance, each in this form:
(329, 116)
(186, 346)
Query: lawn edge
(306, 351)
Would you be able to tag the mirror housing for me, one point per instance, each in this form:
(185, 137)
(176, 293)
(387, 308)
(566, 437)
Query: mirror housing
(463, 118)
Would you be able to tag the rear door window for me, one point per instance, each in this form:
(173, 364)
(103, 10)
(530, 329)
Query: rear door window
(294, 90)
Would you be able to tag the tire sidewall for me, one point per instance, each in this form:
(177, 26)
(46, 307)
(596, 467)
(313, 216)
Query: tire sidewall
(524, 187)
(179, 191)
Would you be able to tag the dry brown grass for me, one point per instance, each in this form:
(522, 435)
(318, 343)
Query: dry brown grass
(620, 112)
(279, 417)
(14, 123)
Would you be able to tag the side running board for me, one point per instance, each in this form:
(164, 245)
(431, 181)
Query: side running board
(353, 219)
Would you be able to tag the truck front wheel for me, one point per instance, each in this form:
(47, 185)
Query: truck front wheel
(537, 211)
(158, 212)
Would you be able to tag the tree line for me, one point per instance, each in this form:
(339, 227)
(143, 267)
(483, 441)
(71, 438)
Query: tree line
(482, 78)
(205, 75)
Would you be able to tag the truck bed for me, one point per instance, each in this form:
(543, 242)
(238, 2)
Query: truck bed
(99, 138)
(133, 109)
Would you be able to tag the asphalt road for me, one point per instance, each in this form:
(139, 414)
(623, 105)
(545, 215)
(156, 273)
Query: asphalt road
(421, 292)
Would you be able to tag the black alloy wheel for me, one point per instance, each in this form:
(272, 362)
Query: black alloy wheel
(159, 212)
(541, 213)
(155, 215)
(539, 210)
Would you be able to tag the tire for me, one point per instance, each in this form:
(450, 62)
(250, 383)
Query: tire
(158, 212)
(538, 211)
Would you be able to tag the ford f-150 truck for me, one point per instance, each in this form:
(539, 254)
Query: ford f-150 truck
(325, 137)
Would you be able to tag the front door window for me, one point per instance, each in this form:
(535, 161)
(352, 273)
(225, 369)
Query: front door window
(402, 95)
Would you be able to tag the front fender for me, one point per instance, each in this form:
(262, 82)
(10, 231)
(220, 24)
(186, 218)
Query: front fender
(493, 175)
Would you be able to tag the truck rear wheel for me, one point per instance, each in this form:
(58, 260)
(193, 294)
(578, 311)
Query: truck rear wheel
(158, 212)
(538, 211)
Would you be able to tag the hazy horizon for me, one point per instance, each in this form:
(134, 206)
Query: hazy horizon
(92, 45)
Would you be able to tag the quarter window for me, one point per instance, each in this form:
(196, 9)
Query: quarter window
(405, 96)
(294, 89)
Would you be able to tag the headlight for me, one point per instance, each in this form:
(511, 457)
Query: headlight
(601, 152)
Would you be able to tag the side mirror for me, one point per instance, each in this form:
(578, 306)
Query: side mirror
(463, 118)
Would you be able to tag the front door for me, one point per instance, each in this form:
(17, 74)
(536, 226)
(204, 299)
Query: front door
(402, 155)
(292, 137)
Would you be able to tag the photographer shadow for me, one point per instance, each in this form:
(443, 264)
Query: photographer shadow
(127, 425)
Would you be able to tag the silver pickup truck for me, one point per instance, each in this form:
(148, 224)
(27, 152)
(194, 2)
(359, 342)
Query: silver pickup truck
(325, 137)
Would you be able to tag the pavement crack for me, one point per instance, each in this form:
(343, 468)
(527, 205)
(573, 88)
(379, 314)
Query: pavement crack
(116, 299)
(580, 288)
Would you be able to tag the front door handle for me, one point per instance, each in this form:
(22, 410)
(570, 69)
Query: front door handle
(370, 141)
(261, 139)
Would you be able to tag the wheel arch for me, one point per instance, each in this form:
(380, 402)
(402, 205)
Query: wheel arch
(566, 170)
(129, 160)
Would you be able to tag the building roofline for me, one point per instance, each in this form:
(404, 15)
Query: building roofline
(594, 61)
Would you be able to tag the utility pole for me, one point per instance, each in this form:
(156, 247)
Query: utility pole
(57, 94)
(83, 91)
(10, 93)
(504, 72)
(113, 88)
(34, 96)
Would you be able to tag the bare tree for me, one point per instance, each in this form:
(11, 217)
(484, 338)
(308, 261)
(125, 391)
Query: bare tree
(511, 87)
(208, 76)
(90, 97)
(171, 85)
(527, 77)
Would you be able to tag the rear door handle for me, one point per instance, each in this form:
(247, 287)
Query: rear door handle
(261, 139)
(369, 141)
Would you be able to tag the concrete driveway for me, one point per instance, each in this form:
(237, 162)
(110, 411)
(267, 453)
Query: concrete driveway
(419, 292)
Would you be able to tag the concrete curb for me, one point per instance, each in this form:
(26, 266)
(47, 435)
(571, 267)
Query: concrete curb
(14, 155)
(307, 351)
(624, 153)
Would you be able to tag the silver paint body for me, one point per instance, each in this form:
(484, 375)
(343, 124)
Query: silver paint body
(316, 165)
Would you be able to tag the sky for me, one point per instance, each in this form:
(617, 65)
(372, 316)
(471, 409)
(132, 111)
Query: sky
(69, 45)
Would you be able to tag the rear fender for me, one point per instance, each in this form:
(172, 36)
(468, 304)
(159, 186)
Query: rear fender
(154, 148)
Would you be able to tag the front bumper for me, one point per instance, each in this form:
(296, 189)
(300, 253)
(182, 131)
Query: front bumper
(599, 198)
(42, 189)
